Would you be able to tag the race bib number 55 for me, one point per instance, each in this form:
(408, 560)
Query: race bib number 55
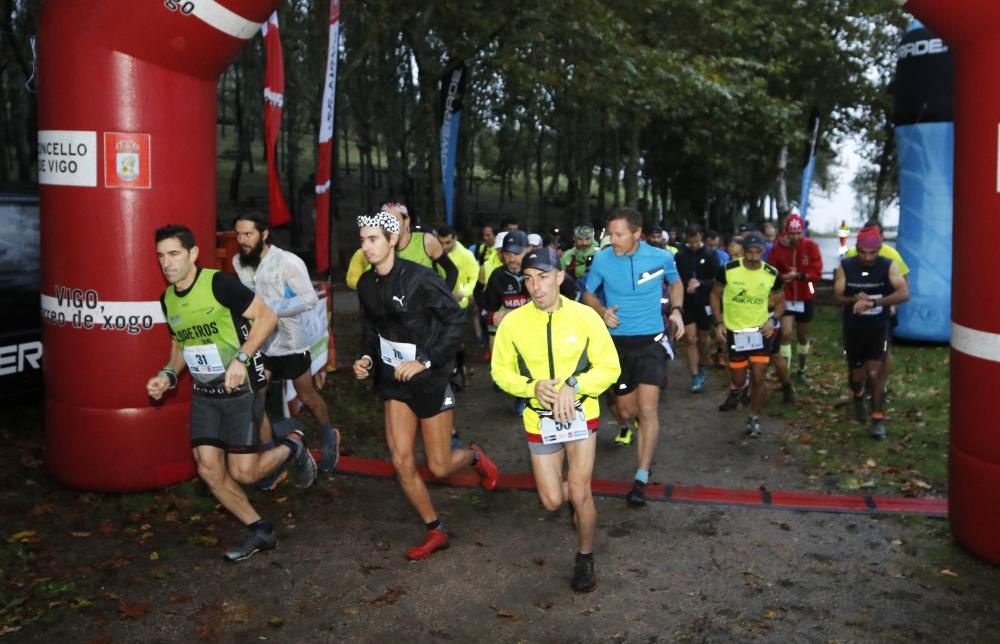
(554, 431)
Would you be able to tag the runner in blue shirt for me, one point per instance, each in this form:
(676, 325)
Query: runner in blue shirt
(632, 274)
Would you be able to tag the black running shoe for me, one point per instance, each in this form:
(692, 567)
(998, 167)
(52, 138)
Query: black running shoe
(637, 495)
(257, 541)
(732, 401)
(584, 580)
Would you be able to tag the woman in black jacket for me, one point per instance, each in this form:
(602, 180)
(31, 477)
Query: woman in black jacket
(411, 329)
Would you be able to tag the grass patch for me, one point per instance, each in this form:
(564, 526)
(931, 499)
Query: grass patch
(836, 449)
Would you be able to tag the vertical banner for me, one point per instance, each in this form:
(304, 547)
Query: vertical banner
(274, 99)
(325, 152)
(808, 170)
(450, 121)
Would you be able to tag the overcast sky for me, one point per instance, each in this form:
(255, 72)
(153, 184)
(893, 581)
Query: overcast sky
(827, 210)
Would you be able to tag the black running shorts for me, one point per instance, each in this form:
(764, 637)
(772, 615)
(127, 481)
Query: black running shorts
(863, 345)
(643, 362)
(806, 315)
(288, 367)
(428, 406)
(231, 423)
(697, 312)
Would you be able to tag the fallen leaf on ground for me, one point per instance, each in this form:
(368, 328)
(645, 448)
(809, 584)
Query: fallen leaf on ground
(506, 614)
(947, 572)
(235, 613)
(25, 536)
(203, 540)
(132, 611)
(114, 562)
(276, 622)
(389, 597)
(79, 533)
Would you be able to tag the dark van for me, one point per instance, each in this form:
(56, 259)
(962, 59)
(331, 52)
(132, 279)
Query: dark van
(20, 296)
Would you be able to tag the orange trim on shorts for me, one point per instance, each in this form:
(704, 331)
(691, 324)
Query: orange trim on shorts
(760, 359)
(738, 364)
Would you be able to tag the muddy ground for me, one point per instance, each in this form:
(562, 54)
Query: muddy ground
(667, 572)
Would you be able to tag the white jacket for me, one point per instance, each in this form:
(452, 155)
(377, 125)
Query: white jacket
(282, 281)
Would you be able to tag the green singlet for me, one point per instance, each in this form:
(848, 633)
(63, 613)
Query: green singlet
(745, 297)
(208, 331)
(415, 251)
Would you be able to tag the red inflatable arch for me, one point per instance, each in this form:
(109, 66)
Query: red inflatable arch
(126, 144)
(972, 30)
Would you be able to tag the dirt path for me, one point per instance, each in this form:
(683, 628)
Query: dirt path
(667, 572)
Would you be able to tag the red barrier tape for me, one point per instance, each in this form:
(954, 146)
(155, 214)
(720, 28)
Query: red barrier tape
(761, 498)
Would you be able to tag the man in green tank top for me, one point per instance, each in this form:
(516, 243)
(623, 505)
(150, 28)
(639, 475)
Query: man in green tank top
(421, 248)
(209, 316)
(746, 290)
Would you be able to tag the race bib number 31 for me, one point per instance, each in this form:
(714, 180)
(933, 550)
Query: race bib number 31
(204, 360)
(555, 432)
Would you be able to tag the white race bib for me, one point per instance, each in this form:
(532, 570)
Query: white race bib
(665, 343)
(875, 310)
(793, 306)
(556, 432)
(396, 353)
(750, 340)
(204, 360)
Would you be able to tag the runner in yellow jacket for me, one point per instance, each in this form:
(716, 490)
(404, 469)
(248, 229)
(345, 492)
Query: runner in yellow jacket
(558, 354)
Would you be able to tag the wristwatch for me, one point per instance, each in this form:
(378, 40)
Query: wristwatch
(571, 381)
(427, 364)
(243, 357)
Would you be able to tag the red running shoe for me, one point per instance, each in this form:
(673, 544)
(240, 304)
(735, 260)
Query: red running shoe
(435, 540)
(486, 468)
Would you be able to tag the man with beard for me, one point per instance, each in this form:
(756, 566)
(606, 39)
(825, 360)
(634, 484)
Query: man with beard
(281, 279)
(745, 290)
(411, 329)
(209, 315)
(800, 265)
(867, 286)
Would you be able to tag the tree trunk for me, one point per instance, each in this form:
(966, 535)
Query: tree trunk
(632, 166)
(242, 144)
(782, 186)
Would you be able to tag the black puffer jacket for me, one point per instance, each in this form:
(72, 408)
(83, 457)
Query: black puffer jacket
(411, 304)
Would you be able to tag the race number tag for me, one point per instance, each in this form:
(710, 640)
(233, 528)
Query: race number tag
(396, 353)
(750, 340)
(204, 360)
(556, 432)
(664, 341)
(875, 310)
(794, 306)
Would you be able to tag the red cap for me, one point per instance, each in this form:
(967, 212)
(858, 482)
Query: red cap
(794, 224)
(869, 238)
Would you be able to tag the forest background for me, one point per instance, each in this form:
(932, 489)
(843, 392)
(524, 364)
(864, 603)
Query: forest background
(690, 110)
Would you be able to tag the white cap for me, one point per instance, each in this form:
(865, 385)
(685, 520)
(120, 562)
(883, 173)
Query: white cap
(535, 239)
(498, 243)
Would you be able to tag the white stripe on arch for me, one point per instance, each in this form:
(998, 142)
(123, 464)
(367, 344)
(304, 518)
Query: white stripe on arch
(978, 344)
(224, 19)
